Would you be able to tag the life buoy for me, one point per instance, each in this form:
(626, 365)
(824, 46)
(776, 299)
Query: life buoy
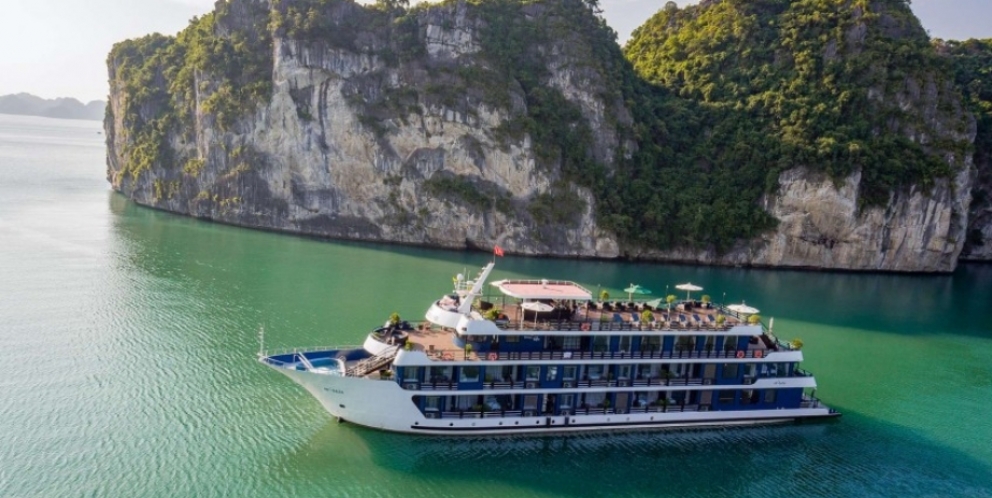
(740, 354)
(585, 327)
(447, 356)
(758, 354)
(493, 356)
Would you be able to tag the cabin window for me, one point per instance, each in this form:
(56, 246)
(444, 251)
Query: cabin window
(647, 371)
(710, 343)
(411, 373)
(533, 372)
(568, 373)
(625, 343)
(508, 373)
(748, 396)
(601, 343)
(730, 343)
(470, 374)
(491, 404)
(595, 399)
(770, 395)
(594, 372)
(750, 370)
(623, 371)
(493, 373)
(727, 396)
(512, 338)
(530, 402)
(465, 402)
(571, 342)
(439, 374)
(552, 373)
(729, 370)
(685, 343)
(651, 343)
(432, 403)
(567, 401)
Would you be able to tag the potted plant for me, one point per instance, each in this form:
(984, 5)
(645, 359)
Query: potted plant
(603, 295)
(492, 314)
(754, 319)
(468, 350)
(385, 374)
(670, 299)
(647, 317)
(796, 343)
(706, 301)
(394, 319)
(721, 319)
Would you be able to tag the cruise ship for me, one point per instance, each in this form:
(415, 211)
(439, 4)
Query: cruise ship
(537, 356)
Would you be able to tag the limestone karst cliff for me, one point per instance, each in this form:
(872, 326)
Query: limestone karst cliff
(473, 123)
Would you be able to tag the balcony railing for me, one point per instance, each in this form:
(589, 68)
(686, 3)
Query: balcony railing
(459, 354)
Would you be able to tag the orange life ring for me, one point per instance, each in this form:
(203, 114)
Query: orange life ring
(585, 327)
(447, 356)
(758, 354)
(740, 354)
(493, 356)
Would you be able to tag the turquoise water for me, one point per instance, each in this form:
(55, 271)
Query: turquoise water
(127, 340)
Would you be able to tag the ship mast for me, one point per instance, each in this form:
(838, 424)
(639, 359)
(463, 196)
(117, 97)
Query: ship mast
(466, 305)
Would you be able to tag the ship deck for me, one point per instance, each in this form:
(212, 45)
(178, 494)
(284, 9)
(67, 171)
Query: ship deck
(439, 344)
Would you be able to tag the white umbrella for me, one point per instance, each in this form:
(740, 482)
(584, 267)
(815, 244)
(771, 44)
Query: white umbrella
(688, 288)
(536, 307)
(742, 309)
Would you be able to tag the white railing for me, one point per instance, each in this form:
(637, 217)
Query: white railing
(298, 350)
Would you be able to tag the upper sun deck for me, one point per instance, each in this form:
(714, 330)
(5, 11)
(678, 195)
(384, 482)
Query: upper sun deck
(543, 290)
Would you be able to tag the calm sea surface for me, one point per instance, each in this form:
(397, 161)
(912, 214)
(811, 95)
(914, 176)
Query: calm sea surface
(127, 343)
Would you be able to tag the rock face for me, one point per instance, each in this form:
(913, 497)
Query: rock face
(321, 157)
(356, 141)
(979, 240)
(821, 226)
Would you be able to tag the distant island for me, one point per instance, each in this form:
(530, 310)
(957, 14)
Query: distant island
(26, 104)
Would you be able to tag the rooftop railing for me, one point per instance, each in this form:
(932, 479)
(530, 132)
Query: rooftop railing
(462, 355)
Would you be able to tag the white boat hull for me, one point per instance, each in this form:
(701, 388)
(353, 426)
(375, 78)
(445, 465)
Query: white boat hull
(385, 405)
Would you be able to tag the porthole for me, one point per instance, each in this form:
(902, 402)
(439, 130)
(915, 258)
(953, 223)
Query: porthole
(451, 424)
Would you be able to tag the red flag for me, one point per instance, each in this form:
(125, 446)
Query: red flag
(497, 250)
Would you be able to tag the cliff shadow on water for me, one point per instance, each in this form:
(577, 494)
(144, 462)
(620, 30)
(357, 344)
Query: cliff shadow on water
(823, 134)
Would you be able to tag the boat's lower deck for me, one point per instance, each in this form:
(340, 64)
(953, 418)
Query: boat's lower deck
(630, 421)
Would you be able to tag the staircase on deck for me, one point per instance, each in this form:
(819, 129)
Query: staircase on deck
(374, 363)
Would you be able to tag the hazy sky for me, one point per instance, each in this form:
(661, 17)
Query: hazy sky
(57, 48)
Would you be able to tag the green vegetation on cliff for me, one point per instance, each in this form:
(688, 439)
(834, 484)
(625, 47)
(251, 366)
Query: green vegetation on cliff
(220, 65)
(813, 83)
